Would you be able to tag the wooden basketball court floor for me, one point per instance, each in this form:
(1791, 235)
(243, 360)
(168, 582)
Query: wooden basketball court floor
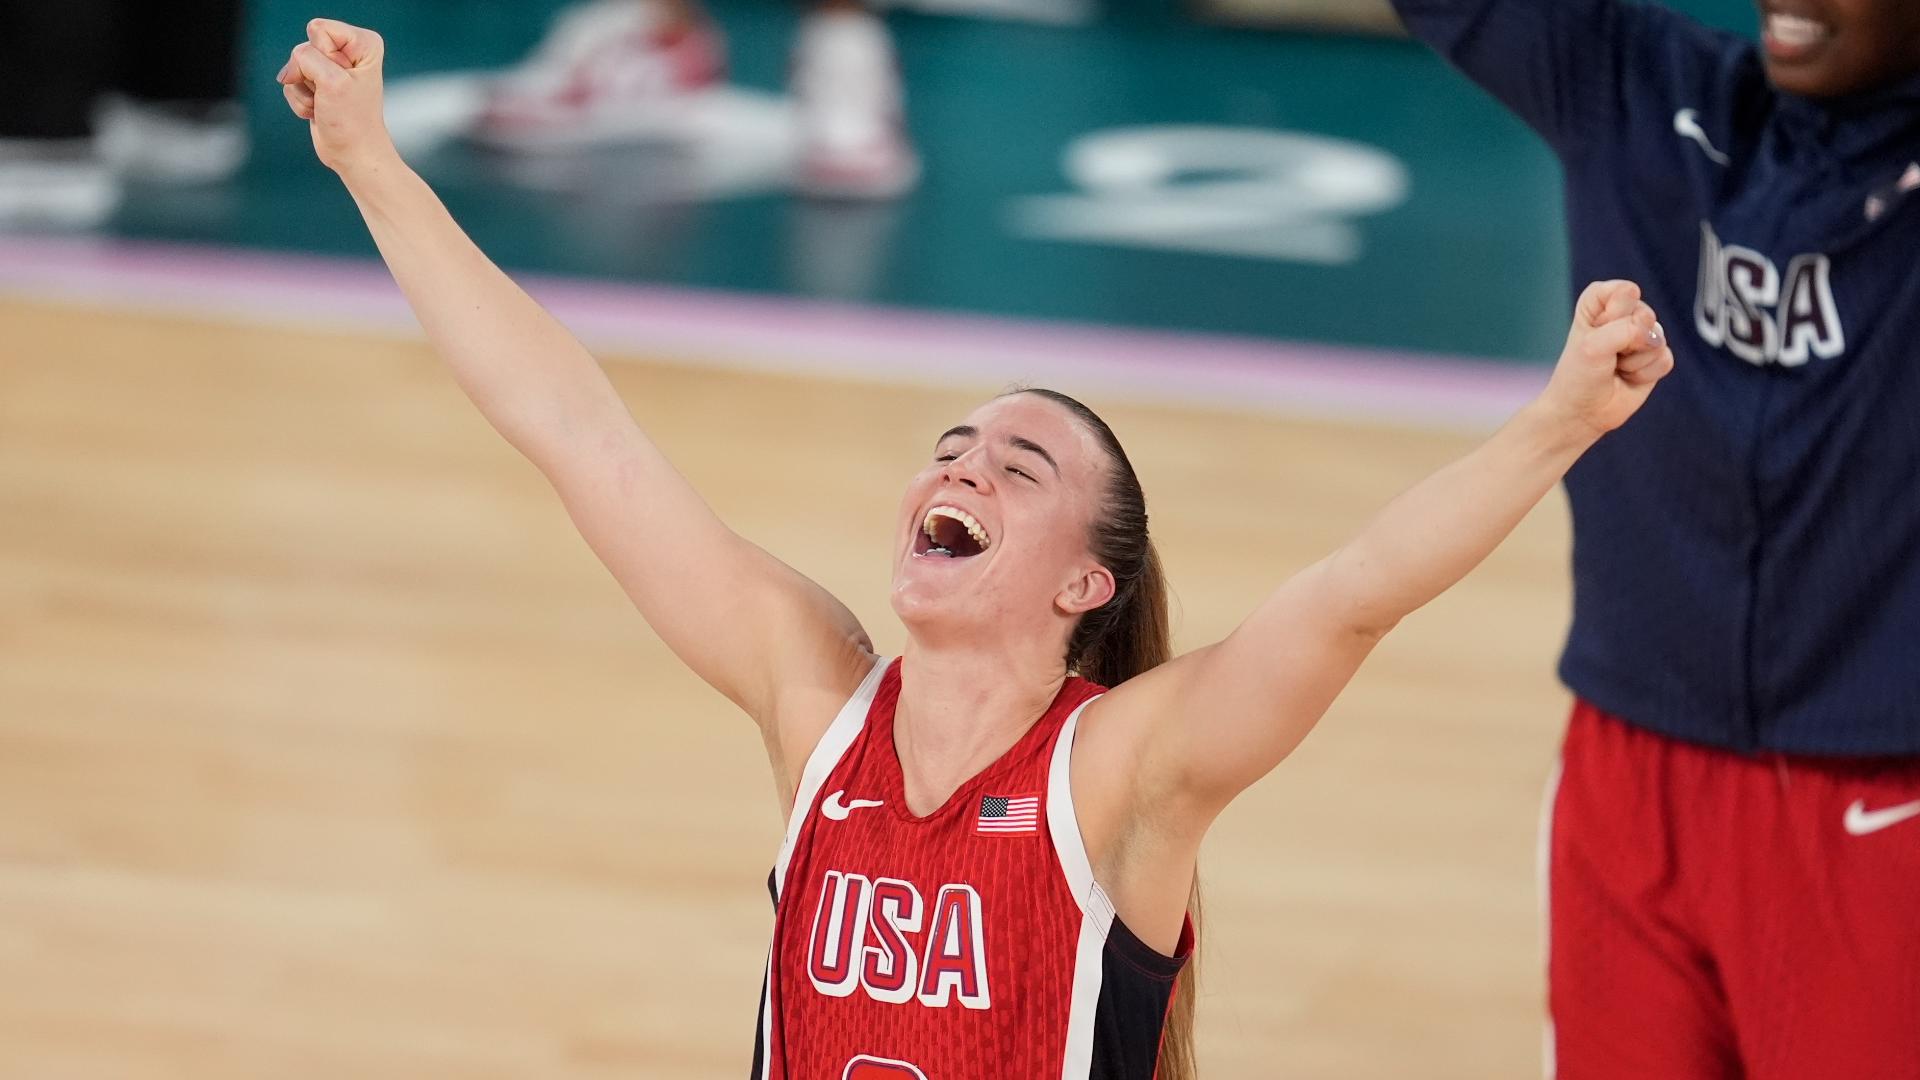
(327, 750)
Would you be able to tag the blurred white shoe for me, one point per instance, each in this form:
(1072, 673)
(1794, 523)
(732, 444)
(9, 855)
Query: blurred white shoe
(55, 183)
(846, 86)
(608, 71)
(172, 144)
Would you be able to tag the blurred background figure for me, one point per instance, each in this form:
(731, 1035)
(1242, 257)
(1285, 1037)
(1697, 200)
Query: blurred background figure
(615, 71)
(94, 93)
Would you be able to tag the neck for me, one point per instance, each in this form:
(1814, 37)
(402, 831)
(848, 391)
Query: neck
(962, 707)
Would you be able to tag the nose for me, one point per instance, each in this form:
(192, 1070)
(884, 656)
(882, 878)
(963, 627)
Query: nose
(964, 470)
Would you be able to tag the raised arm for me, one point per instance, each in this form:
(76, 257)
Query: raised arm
(762, 634)
(1208, 724)
(1560, 65)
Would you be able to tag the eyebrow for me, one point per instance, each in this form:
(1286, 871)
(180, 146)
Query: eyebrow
(1022, 443)
(1018, 442)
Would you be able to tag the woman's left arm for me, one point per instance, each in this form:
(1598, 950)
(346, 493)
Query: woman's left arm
(1207, 725)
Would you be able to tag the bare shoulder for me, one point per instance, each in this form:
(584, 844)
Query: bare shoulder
(1141, 838)
(1113, 759)
(1127, 719)
(806, 706)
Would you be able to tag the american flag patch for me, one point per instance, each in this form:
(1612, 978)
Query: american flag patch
(1008, 814)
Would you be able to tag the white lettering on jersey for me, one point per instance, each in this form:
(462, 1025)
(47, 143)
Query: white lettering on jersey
(1743, 304)
(956, 951)
(868, 935)
(889, 971)
(839, 929)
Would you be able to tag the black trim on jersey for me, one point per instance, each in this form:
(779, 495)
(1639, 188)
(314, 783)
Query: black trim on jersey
(759, 1032)
(1136, 988)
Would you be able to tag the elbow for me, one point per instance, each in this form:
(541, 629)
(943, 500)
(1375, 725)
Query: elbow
(1360, 610)
(1367, 625)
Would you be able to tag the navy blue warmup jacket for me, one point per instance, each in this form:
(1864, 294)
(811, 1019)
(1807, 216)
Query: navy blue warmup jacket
(1746, 549)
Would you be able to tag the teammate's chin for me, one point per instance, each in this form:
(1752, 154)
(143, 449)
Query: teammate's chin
(1809, 71)
(1817, 51)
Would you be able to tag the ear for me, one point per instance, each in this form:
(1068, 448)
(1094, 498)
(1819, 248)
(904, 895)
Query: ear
(1090, 589)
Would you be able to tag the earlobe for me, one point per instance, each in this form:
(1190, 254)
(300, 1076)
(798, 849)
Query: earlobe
(1092, 589)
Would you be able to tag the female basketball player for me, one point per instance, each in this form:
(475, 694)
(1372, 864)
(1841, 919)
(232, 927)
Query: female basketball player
(989, 856)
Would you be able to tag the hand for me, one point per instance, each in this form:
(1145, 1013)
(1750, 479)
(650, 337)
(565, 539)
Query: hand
(333, 82)
(1615, 352)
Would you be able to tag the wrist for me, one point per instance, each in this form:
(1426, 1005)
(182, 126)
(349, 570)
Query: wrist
(366, 171)
(1555, 430)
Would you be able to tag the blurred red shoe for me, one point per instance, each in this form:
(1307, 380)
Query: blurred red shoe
(846, 85)
(609, 71)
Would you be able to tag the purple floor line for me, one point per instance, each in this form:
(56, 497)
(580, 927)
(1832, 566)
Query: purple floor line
(775, 333)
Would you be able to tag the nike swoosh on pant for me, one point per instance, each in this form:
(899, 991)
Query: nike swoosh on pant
(1863, 822)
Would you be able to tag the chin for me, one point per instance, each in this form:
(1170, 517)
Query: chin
(928, 612)
(1838, 69)
(1810, 83)
(916, 605)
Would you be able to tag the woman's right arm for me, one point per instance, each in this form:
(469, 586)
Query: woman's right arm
(768, 638)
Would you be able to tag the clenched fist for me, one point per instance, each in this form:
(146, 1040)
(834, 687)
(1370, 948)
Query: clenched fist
(1615, 352)
(333, 82)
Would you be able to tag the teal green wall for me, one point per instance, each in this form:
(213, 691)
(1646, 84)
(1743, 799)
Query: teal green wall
(1473, 262)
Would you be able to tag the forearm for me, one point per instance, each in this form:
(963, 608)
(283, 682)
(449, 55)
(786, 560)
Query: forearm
(1436, 533)
(536, 384)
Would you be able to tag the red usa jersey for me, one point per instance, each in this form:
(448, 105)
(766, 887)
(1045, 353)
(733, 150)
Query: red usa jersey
(968, 944)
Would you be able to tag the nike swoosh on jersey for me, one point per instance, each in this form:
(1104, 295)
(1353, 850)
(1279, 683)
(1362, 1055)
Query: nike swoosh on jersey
(1686, 122)
(835, 810)
(1862, 822)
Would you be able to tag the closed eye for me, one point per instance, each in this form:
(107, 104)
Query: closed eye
(946, 457)
(1021, 473)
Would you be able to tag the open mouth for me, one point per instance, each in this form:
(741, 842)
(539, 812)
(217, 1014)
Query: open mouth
(1792, 37)
(948, 532)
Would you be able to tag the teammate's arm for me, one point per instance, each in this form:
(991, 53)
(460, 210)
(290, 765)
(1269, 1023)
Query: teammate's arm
(1210, 723)
(1560, 65)
(747, 624)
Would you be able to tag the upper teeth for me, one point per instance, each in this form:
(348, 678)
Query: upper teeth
(1795, 29)
(973, 527)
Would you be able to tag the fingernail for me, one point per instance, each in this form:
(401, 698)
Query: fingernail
(1656, 335)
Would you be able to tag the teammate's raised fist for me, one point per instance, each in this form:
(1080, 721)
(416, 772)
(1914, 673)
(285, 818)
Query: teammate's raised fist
(332, 80)
(1615, 352)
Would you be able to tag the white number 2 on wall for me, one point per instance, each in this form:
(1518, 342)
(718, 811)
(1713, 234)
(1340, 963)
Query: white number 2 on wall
(1251, 192)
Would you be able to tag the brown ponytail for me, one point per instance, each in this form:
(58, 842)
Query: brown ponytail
(1123, 638)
